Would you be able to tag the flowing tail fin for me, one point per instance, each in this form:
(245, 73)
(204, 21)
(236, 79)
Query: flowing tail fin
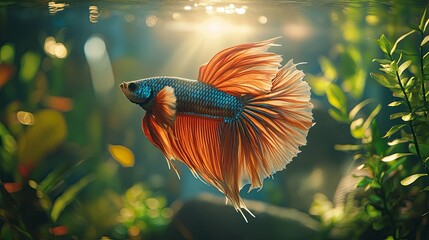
(268, 135)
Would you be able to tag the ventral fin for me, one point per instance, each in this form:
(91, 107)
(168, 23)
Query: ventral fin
(160, 137)
(242, 69)
(164, 110)
(157, 124)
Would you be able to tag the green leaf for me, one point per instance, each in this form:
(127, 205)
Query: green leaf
(30, 62)
(355, 83)
(336, 97)
(408, 117)
(371, 116)
(358, 107)
(328, 69)
(375, 185)
(395, 165)
(424, 41)
(381, 60)
(68, 196)
(422, 25)
(398, 115)
(356, 128)
(378, 225)
(44, 136)
(347, 147)
(384, 44)
(400, 39)
(426, 60)
(398, 141)
(374, 198)
(394, 129)
(339, 117)
(318, 84)
(7, 53)
(424, 150)
(365, 181)
(426, 25)
(55, 177)
(382, 80)
(403, 67)
(394, 156)
(395, 103)
(410, 179)
(408, 83)
(425, 189)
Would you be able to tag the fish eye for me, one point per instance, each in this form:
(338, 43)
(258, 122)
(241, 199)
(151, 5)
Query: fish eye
(132, 87)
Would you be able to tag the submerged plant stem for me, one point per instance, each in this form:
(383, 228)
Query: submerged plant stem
(423, 78)
(410, 123)
(395, 233)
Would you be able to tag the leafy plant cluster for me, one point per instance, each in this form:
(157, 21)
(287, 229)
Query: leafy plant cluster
(392, 166)
(53, 184)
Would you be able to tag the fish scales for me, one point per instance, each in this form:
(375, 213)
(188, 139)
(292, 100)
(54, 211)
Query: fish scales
(195, 97)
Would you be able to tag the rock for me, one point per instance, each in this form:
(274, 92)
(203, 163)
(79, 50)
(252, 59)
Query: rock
(207, 217)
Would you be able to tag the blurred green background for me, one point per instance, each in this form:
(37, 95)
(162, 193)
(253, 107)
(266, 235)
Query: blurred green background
(74, 163)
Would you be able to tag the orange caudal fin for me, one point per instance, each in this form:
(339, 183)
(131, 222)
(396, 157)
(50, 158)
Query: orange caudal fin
(242, 69)
(280, 120)
(268, 135)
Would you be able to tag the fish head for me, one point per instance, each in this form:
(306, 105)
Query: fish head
(137, 91)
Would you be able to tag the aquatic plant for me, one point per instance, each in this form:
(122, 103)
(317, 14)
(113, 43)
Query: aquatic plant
(391, 199)
(56, 181)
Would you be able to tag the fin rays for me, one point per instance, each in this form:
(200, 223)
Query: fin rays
(243, 69)
(273, 124)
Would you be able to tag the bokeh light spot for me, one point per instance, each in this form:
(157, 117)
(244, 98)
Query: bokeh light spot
(25, 118)
(151, 21)
(7, 53)
(152, 203)
(262, 20)
(54, 48)
(95, 48)
(93, 14)
(371, 19)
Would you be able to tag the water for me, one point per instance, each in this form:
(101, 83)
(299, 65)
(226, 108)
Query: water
(70, 57)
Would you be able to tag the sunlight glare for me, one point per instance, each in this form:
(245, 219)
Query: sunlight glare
(100, 67)
(297, 31)
(176, 16)
(209, 9)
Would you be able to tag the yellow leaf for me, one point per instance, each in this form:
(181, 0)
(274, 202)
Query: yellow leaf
(122, 154)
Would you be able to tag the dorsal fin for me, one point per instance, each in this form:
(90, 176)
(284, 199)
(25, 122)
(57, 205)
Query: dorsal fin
(242, 69)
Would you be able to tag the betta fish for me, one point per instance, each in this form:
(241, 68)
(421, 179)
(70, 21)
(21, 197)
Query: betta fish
(243, 119)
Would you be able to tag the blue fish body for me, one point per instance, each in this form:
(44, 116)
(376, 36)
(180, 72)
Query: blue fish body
(192, 97)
